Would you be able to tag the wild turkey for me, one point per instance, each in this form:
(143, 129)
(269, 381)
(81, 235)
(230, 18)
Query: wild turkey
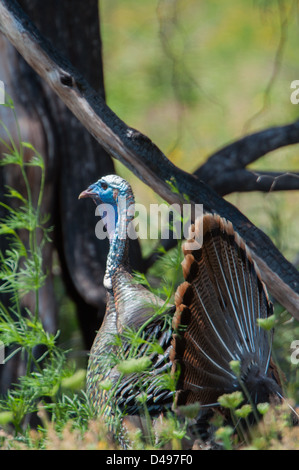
(214, 319)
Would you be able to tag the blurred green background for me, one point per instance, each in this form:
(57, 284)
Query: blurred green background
(195, 75)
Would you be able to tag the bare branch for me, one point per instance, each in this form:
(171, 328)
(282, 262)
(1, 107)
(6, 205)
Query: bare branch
(139, 154)
(244, 180)
(250, 148)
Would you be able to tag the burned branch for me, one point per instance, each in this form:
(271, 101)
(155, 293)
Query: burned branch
(222, 169)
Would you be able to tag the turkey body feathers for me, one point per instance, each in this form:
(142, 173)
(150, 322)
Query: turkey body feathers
(130, 306)
(216, 320)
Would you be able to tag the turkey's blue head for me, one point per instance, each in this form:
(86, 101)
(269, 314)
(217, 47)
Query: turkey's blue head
(108, 189)
(112, 190)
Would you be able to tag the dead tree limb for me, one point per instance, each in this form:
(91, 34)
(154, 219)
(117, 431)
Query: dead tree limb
(137, 151)
(243, 180)
(225, 169)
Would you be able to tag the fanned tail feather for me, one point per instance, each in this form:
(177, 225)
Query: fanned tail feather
(216, 320)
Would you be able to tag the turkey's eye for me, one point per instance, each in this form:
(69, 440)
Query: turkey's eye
(104, 186)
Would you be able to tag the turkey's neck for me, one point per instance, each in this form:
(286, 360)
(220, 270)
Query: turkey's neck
(118, 237)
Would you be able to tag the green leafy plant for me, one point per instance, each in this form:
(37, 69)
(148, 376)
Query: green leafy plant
(22, 275)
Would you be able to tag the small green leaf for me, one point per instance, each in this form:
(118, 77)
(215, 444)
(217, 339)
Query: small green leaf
(231, 400)
(189, 411)
(5, 417)
(235, 367)
(8, 102)
(75, 381)
(36, 160)
(263, 408)
(105, 385)
(12, 192)
(224, 434)
(28, 145)
(142, 397)
(244, 411)
(266, 323)
(13, 158)
(132, 366)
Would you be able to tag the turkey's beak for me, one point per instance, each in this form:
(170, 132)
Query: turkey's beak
(87, 193)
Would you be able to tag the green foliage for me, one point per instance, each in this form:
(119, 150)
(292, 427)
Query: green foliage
(231, 400)
(131, 366)
(22, 274)
(267, 323)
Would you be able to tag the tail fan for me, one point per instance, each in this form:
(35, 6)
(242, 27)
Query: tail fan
(216, 320)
